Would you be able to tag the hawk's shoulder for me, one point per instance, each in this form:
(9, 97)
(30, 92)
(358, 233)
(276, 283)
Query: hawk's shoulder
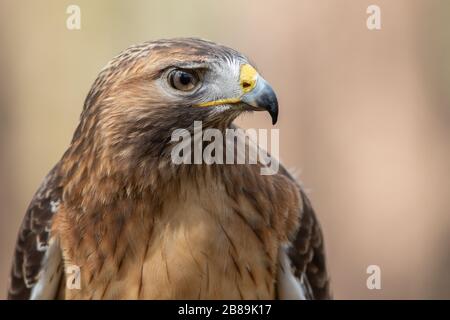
(34, 241)
(304, 256)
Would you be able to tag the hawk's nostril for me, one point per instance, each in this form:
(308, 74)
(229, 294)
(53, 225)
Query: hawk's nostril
(246, 84)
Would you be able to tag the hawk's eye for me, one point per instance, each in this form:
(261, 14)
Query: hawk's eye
(183, 80)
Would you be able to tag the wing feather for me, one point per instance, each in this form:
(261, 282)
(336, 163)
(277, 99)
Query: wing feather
(306, 257)
(34, 247)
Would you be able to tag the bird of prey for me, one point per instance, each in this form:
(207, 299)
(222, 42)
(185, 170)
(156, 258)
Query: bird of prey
(134, 225)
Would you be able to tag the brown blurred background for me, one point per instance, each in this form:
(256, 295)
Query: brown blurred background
(365, 115)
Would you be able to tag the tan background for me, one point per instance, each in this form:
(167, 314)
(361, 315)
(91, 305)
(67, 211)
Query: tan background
(365, 115)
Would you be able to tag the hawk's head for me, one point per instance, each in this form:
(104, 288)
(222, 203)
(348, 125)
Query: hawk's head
(189, 78)
(149, 90)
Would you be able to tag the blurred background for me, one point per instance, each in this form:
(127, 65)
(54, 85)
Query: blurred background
(364, 115)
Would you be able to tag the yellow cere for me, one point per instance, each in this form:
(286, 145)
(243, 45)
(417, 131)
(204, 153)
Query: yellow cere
(247, 79)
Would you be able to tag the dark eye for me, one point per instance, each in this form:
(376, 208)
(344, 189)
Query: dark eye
(183, 80)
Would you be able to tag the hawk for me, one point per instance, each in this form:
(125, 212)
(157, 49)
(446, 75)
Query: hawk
(138, 226)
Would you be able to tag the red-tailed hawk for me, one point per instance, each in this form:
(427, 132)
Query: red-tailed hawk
(137, 226)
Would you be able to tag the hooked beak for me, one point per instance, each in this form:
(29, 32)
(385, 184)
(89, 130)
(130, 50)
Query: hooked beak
(256, 93)
(262, 97)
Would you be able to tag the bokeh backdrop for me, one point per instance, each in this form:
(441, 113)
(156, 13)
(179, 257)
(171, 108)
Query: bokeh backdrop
(365, 115)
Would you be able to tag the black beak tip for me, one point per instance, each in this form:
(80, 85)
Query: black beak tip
(272, 107)
(274, 115)
(269, 102)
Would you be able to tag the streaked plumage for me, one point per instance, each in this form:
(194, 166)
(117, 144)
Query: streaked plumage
(140, 227)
